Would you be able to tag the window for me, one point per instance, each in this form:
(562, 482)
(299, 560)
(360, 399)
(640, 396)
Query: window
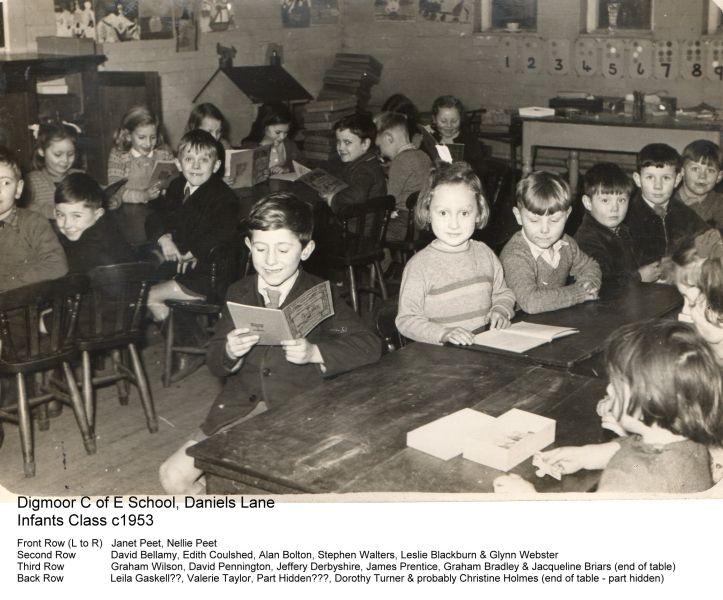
(2, 26)
(619, 15)
(508, 15)
(714, 22)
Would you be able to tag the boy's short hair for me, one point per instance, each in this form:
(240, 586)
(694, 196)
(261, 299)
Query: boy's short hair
(80, 187)
(451, 173)
(198, 139)
(607, 178)
(658, 155)
(282, 210)
(360, 125)
(7, 157)
(543, 193)
(704, 152)
(391, 120)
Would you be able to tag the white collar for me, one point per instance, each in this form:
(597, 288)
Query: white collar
(136, 154)
(191, 188)
(283, 289)
(550, 255)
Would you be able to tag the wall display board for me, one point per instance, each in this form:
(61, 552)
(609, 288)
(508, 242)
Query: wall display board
(585, 56)
(666, 59)
(558, 56)
(640, 59)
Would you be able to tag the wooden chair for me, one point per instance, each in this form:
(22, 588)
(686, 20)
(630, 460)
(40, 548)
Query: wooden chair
(25, 351)
(385, 322)
(361, 244)
(500, 184)
(227, 261)
(112, 320)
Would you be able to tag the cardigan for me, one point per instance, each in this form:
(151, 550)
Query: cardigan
(344, 341)
(137, 169)
(539, 287)
(710, 209)
(41, 188)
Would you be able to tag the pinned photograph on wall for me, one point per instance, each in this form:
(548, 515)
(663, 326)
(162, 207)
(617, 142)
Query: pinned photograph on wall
(446, 11)
(156, 19)
(324, 12)
(74, 18)
(395, 10)
(217, 16)
(295, 13)
(185, 19)
(117, 21)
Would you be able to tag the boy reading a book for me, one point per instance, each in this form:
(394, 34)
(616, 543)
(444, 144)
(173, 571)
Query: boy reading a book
(261, 378)
(538, 260)
(602, 234)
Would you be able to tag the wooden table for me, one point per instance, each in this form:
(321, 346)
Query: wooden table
(610, 133)
(596, 321)
(349, 434)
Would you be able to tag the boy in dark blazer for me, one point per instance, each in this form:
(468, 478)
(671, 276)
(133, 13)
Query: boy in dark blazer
(261, 378)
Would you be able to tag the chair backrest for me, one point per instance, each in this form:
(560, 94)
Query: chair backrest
(384, 319)
(364, 226)
(26, 312)
(227, 261)
(500, 182)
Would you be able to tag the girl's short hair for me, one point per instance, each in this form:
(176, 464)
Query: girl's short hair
(80, 187)
(48, 133)
(450, 173)
(399, 103)
(673, 376)
(206, 109)
(273, 113)
(137, 116)
(543, 193)
(449, 102)
(683, 263)
(282, 210)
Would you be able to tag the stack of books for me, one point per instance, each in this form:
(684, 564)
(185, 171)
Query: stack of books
(351, 74)
(319, 118)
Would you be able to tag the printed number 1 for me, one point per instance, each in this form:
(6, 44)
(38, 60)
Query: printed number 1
(507, 62)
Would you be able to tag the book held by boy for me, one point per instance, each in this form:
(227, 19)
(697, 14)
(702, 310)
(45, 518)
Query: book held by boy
(164, 171)
(293, 321)
(298, 171)
(247, 167)
(522, 336)
(324, 183)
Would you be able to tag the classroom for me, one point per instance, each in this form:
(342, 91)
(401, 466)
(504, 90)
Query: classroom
(379, 246)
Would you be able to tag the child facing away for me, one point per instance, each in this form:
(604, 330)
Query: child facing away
(29, 249)
(702, 164)
(539, 259)
(199, 212)
(665, 394)
(271, 128)
(658, 221)
(602, 234)
(260, 378)
(408, 168)
(89, 235)
(138, 146)
(455, 285)
(55, 151)
(361, 169)
(419, 136)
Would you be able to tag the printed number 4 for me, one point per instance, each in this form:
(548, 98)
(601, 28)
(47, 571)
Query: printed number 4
(586, 67)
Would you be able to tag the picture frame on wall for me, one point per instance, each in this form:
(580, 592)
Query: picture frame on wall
(117, 21)
(75, 18)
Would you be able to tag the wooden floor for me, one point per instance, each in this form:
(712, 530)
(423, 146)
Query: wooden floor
(128, 455)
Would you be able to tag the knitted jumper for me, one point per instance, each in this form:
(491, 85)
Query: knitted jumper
(538, 286)
(137, 169)
(441, 290)
(41, 186)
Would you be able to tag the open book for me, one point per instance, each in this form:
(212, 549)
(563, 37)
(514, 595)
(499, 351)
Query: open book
(247, 167)
(324, 183)
(450, 152)
(164, 171)
(294, 321)
(522, 336)
(298, 171)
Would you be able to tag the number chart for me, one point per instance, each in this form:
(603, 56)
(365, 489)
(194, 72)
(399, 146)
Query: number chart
(558, 56)
(714, 60)
(640, 59)
(666, 59)
(691, 66)
(586, 56)
(531, 55)
(613, 63)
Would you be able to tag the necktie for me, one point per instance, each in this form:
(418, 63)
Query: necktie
(660, 211)
(274, 297)
(186, 193)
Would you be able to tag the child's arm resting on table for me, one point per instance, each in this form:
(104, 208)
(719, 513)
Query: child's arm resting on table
(503, 299)
(584, 269)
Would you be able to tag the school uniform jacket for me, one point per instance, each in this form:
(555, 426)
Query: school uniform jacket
(209, 217)
(365, 178)
(344, 341)
(100, 245)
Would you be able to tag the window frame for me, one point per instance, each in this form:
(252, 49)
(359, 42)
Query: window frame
(592, 24)
(714, 19)
(485, 19)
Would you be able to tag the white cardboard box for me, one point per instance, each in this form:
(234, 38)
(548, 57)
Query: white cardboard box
(444, 437)
(510, 439)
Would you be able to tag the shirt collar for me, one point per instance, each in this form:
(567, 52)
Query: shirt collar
(409, 146)
(550, 255)
(11, 219)
(283, 289)
(136, 154)
(191, 188)
(656, 208)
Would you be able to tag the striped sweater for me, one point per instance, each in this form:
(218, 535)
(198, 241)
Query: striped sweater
(441, 290)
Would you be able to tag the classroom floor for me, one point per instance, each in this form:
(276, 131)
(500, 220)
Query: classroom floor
(128, 455)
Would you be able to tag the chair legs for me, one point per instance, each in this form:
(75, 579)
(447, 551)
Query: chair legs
(352, 289)
(143, 389)
(79, 409)
(88, 391)
(375, 276)
(168, 355)
(122, 383)
(26, 432)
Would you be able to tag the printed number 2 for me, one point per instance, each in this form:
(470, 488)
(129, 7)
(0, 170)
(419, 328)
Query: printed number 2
(697, 70)
(666, 66)
(612, 69)
(530, 62)
(559, 66)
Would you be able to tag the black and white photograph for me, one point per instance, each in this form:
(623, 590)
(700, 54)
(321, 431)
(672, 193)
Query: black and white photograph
(430, 293)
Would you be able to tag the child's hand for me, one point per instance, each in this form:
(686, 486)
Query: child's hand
(328, 197)
(650, 272)
(277, 170)
(301, 352)
(458, 335)
(499, 319)
(169, 249)
(238, 343)
(565, 460)
(188, 261)
(512, 484)
(154, 191)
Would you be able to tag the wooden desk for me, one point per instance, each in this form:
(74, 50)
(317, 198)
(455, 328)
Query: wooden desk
(596, 321)
(611, 133)
(349, 434)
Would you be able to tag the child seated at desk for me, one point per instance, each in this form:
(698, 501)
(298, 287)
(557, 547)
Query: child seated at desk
(271, 128)
(657, 220)
(539, 259)
(408, 167)
(602, 234)
(665, 395)
(362, 171)
(89, 235)
(702, 164)
(455, 285)
(260, 378)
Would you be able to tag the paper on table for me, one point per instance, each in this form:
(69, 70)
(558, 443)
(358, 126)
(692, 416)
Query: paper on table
(522, 336)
